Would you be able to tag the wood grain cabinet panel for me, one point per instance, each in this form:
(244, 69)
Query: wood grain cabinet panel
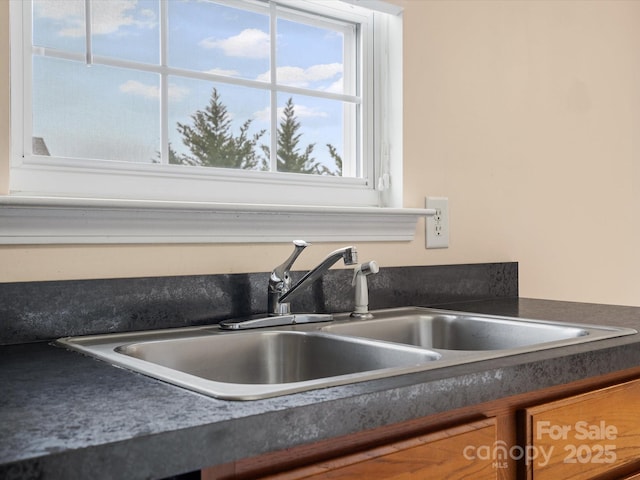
(454, 453)
(589, 429)
(585, 436)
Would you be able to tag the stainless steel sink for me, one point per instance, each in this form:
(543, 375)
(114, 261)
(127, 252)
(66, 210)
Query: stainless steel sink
(246, 365)
(273, 357)
(255, 364)
(460, 331)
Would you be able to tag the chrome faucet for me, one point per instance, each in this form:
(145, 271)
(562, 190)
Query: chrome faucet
(280, 290)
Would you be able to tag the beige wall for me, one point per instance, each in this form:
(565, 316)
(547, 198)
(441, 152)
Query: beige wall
(526, 114)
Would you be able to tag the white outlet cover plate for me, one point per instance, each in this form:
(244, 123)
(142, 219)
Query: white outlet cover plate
(437, 226)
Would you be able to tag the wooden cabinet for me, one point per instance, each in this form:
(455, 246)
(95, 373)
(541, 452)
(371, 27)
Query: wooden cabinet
(589, 429)
(455, 453)
(584, 436)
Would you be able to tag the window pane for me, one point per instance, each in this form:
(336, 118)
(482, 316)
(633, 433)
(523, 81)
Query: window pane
(59, 24)
(310, 135)
(126, 29)
(310, 57)
(209, 37)
(95, 112)
(216, 125)
(104, 112)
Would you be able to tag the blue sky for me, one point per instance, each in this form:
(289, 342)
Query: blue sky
(113, 113)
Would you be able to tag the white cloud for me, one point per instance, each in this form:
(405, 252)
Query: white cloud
(152, 91)
(177, 93)
(138, 88)
(250, 43)
(69, 12)
(336, 87)
(59, 10)
(262, 115)
(323, 71)
(302, 77)
(302, 111)
(109, 16)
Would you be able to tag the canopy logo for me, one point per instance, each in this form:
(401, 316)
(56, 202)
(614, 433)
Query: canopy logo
(581, 443)
(500, 452)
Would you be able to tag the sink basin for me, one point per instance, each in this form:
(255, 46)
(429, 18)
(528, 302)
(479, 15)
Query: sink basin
(277, 360)
(254, 364)
(459, 332)
(274, 357)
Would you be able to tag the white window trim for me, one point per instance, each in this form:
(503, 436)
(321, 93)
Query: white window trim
(41, 175)
(37, 217)
(38, 220)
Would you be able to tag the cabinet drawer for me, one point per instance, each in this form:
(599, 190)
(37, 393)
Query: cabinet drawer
(584, 436)
(451, 454)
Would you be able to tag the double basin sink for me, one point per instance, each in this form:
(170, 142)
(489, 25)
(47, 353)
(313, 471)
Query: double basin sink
(273, 361)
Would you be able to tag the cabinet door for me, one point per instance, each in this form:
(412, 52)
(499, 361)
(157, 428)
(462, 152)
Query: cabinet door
(456, 453)
(584, 436)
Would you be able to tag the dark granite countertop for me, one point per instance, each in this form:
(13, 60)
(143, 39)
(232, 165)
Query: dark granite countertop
(65, 415)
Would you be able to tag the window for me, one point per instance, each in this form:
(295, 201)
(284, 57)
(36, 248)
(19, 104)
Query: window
(205, 120)
(241, 101)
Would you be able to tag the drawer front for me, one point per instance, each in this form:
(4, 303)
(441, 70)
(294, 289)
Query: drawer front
(584, 436)
(456, 453)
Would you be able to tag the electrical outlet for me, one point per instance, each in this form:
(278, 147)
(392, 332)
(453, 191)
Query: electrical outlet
(438, 224)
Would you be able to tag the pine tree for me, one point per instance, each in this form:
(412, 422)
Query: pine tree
(290, 159)
(212, 143)
(174, 158)
(333, 151)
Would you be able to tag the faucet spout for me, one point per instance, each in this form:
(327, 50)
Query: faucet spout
(348, 254)
(280, 290)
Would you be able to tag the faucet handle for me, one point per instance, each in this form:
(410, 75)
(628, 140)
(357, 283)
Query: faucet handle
(301, 243)
(281, 272)
(280, 280)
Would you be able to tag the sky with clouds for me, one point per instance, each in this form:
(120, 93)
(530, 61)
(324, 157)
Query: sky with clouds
(107, 112)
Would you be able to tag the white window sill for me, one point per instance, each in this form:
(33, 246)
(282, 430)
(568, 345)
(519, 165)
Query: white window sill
(51, 220)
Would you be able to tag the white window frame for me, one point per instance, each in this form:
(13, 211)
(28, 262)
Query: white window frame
(315, 207)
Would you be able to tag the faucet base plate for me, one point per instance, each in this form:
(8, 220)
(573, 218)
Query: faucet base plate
(274, 321)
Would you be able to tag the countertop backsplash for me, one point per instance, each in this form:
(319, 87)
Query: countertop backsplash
(41, 311)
